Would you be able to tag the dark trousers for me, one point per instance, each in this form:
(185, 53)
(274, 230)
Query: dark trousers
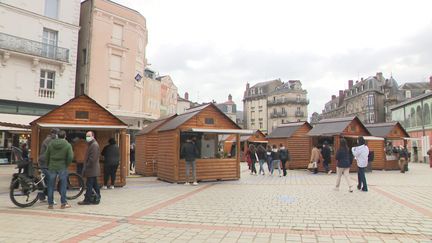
(284, 165)
(91, 184)
(253, 167)
(79, 168)
(361, 179)
(326, 165)
(110, 171)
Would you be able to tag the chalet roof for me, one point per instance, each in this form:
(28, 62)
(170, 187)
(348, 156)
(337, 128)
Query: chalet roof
(152, 126)
(333, 126)
(71, 101)
(286, 130)
(383, 129)
(189, 113)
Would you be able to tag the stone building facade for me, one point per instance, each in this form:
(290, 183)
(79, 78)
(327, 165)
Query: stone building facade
(269, 104)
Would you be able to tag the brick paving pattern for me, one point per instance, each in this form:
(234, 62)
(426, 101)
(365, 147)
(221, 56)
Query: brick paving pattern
(298, 208)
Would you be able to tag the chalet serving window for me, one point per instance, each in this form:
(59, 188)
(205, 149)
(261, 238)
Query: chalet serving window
(209, 145)
(209, 121)
(81, 115)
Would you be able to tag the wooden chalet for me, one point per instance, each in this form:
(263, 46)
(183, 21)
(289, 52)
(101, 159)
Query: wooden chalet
(230, 143)
(206, 123)
(146, 149)
(332, 130)
(294, 137)
(384, 158)
(76, 117)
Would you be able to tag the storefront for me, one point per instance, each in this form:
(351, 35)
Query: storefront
(385, 151)
(203, 124)
(76, 117)
(294, 137)
(12, 134)
(332, 130)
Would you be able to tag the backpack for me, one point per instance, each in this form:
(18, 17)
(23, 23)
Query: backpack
(371, 156)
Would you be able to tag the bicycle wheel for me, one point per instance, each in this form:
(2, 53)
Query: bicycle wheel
(75, 186)
(22, 197)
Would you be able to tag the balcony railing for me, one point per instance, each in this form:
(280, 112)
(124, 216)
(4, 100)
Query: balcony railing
(278, 114)
(30, 47)
(46, 93)
(288, 101)
(299, 114)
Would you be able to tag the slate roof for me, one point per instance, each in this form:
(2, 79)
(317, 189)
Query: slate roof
(150, 127)
(383, 129)
(334, 126)
(286, 130)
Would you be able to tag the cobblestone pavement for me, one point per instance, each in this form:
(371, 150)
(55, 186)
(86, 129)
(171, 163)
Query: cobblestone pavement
(298, 208)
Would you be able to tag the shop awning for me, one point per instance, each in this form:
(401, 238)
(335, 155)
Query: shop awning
(80, 126)
(14, 129)
(18, 121)
(222, 131)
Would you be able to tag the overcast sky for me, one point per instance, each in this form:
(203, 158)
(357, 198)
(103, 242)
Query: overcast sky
(213, 48)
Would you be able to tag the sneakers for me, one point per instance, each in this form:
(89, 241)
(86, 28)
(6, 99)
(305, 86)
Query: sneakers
(66, 205)
(187, 183)
(104, 187)
(195, 183)
(329, 172)
(50, 206)
(111, 187)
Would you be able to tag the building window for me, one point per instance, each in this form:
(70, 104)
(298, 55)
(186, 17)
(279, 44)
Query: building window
(51, 8)
(115, 66)
(49, 40)
(260, 125)
(274, 99)
(274, 110)
(114, 97)
(298, 98)
(81, 115)
(47, 84)
(371, 100)
(229, 109)
(117, 34)
(408, 94)
(283, 110)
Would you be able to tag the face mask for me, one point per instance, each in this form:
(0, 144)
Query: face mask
(89, 139)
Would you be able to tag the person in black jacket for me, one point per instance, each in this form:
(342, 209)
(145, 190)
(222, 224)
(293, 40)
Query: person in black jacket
(326, 154)
(189, 152)
(262, 156)
(111, 156)
(343, 164)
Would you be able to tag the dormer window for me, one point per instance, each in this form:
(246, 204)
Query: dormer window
(408, 94)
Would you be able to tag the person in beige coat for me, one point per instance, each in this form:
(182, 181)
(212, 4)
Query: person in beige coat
(315, 158)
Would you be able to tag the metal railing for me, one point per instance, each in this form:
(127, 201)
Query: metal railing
(299, 113)
(278, 114)
(288, 101)
(30, 47)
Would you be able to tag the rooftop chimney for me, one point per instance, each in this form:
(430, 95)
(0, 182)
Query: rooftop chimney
(380, 76)
(350, 84)
(186, 96)
(247, 86)
(341, 93)
(230, 97)
(333, 97)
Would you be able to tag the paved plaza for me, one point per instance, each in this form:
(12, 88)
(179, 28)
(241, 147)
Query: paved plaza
(298, 208)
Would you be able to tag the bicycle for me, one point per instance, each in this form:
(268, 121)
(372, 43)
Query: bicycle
(27, 188)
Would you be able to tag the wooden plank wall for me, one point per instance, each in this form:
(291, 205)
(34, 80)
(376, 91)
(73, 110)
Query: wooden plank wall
(168, 155)
(211, 169)
(379, 154)
(146, 154)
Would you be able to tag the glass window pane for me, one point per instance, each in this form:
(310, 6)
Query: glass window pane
(42, 74)
(50, 75)
(42, 83)
(49, 84)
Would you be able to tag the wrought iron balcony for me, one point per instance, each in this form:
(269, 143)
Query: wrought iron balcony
(279, 101)
(278, 114)
(30, 47)
(299, 114)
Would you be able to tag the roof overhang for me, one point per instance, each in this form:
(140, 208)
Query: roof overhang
(14, 129)
(79, 126)
(365, 137)
(222, 131)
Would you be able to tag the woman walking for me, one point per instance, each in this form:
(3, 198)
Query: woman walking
(253, 158)
(275, 160)
(269, 158)
(343, 164)
(261, 152)
(315, 158)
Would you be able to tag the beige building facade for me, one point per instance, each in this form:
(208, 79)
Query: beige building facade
(152, 94)
(168, 96)
(38, 46)
(255, 111)
(112, 59)
(288, 103)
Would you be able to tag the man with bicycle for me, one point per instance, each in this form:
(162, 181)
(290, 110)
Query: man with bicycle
(58, 157)
(42, 159)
